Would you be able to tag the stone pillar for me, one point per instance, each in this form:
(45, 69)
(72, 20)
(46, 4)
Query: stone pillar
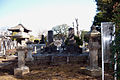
(29, 53)
(94, 45)
(22, 69)
(93, 53)
(50, 36)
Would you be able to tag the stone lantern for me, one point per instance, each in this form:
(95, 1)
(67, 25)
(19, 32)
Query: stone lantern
(94, 45)
(22, 69)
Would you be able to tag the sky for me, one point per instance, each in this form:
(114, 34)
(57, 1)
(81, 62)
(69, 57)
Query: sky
(42, 15)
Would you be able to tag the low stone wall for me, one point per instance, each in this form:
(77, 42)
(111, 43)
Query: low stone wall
(43, 59)
(78, 59)
(56, 60)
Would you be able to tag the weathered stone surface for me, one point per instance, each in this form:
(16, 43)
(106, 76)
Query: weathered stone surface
(29, 54)
(56, 60)
(21, 71)
(43, 59)
(93, 72)
(94, 45)
(60, 59)
(77, 59)
(21, 58)
(93, 48)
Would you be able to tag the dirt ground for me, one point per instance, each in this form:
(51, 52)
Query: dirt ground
(50, 72)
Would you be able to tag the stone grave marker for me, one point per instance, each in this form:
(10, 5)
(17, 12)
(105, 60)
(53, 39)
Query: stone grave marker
(50, 36)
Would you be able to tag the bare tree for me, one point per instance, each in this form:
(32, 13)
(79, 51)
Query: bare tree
(60, 31)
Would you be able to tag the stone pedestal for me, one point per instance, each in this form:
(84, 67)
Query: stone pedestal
(93, 72)
(29, 54)
(22, 69)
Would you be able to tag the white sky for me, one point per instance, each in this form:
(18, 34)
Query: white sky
(40, 15)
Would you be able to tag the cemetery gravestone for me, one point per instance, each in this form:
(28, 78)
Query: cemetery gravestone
(50, 36)
(42, 41)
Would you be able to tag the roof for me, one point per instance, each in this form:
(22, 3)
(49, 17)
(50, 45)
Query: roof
(18, 28)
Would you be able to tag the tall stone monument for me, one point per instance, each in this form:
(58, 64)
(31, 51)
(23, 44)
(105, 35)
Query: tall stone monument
(50, 36)
(94, 45)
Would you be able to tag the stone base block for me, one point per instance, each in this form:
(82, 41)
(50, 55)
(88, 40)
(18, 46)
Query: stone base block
(21, 71)
(29, 59)
(93, 72)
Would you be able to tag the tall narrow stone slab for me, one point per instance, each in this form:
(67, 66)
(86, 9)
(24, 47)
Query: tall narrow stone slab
(50, 36)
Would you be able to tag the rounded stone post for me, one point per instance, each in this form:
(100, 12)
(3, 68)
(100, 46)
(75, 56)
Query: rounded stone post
(21, 56)
(93, 53)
